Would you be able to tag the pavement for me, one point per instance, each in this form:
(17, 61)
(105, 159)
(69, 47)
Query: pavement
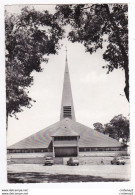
(37, 173)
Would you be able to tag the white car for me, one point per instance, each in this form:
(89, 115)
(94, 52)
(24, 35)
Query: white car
(49, 161)
(118, 161)
(73, 162)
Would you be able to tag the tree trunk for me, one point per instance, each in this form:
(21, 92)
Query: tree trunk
(126, 89)
(6, 119)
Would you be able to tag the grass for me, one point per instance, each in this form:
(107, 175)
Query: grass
(35, 177)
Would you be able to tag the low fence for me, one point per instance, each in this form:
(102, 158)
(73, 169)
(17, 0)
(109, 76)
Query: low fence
(103, 153)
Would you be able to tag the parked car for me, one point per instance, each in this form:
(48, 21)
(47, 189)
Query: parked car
(118, 161)
(49, 160)
(73, 162)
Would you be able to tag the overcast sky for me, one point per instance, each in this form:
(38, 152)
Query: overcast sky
(96, 95)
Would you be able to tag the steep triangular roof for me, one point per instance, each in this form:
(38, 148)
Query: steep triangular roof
(88, 136)
(64, 131)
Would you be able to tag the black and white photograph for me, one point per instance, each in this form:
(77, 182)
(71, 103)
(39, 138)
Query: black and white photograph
(67, 93)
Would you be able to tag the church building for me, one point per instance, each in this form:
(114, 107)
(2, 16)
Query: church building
(66, 137)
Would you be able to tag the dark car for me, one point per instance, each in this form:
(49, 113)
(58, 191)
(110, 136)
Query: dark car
(73, 162)
(118, 161)
(49, 161)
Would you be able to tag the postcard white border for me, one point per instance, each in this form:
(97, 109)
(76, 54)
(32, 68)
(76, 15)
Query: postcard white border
(113, 188)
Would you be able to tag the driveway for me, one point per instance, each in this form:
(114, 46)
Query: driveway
(35, 173)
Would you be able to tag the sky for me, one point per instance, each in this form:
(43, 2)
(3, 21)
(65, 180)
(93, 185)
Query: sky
(96, 95)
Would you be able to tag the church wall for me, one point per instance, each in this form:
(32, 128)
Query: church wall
(85, 149)
(34, 150)
(81, 149)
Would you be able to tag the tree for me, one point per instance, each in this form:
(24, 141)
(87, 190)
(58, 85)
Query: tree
(29, 37)
(96, 24)
(118, 128)
(99, 127)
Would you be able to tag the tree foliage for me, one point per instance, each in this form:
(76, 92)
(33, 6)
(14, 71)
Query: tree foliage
(99, 127)
(30, 36)
(118, 128)
(93, 25)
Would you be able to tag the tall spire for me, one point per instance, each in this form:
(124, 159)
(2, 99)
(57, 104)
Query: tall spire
(67, 107)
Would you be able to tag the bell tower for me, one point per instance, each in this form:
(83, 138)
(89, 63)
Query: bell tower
(67, 107)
